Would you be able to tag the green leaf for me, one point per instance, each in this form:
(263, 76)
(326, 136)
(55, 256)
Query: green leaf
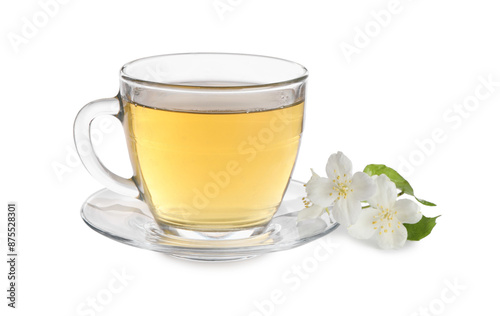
(395, 177)
(421, 229)
(424, 202)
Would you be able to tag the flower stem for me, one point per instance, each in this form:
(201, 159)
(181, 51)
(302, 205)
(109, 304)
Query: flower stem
(401, 193)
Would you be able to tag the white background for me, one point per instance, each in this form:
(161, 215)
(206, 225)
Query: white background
(394, 92)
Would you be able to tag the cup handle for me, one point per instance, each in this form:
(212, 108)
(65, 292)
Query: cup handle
(109, 106)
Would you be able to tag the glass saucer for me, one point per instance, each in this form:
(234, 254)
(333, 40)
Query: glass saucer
(128, 220)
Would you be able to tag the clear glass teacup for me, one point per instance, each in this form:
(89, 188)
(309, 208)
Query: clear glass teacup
(212, 138)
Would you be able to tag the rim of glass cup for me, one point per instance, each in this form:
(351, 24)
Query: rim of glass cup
(295, 79)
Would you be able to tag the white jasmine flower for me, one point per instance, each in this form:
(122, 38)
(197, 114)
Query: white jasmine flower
(341, 190)
(385, 216)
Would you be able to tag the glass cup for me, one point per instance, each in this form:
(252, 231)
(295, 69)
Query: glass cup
(212, 139)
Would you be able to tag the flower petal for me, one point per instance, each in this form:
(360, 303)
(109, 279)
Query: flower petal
(354, 209)
(346, 211)
(385, 194)
(318, 191)
(407, 211)
(393, 236)
(363, 187)
(364, 227)
(314, 176)
(311, 212)
(338, 164)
